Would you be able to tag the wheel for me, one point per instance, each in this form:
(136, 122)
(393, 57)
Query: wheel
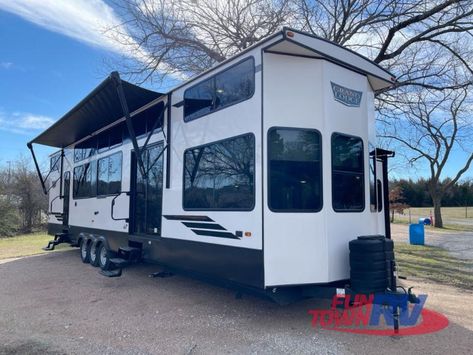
(103, 256)
(85, 251)
(93, 252)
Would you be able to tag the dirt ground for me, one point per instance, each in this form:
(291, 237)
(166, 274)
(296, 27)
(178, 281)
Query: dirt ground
(54, 304)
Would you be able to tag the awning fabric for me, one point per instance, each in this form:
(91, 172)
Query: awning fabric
(99, 109)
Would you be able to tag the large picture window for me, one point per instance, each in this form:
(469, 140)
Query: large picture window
(221, 175)
(226, 88)
(348, 187)
(109, 175)
(85, 183)
(295, 170)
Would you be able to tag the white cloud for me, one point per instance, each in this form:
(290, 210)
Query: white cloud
(83, 20)
(6, 65)
(23, 122)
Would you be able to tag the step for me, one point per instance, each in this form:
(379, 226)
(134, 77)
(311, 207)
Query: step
(130, 254)
(111, 273)
(119, 262)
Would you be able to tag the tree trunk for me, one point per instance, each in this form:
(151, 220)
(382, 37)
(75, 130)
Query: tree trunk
(392, 215)
(438, 223)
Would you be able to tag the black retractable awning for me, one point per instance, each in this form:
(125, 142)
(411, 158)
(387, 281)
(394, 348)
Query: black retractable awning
(99, 109)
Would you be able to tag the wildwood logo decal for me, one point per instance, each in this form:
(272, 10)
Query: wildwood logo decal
(346, 96)
(367, 315)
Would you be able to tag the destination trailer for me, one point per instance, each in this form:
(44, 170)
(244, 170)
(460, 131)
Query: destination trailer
(256, 173)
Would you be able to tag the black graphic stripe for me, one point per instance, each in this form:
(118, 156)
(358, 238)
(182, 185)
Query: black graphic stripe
(215, 234)
(204, 225)
(188, 218)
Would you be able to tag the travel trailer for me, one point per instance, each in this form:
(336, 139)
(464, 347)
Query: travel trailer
(255, 174)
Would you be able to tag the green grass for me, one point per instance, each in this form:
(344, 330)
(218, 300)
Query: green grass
(434, 264)
(24, 245)
(454, 218)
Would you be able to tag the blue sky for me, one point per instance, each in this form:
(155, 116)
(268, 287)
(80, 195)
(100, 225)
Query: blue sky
(52, 54)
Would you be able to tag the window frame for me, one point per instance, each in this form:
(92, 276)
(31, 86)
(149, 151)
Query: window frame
(121, 174)
(269, 171)
(253, 191)
(213, 79)
(362, 173)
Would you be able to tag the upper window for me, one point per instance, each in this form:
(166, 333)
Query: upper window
(221, 175)
(295, 170)
(109, 175)
(85, 149)
(85, 180)
(228, 87)
(348, 188)
(54, 162)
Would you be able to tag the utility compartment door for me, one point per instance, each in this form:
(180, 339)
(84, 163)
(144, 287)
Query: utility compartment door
(295, 248)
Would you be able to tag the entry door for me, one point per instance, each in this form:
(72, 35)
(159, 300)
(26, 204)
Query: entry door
(67, 191)
(146, 197)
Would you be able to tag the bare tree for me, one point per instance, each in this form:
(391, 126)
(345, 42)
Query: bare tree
(430, 127)
(428, 44)
(186, 37)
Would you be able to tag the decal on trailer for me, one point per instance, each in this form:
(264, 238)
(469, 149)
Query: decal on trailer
(205, 229)
(346, 96)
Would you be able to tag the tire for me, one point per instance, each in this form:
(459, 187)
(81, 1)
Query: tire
(94, 259)
(370, 245)
(367, 265)
(85, 251)
(369, 275)
(103, 256)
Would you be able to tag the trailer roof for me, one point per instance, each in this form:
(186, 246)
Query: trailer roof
(97, 110)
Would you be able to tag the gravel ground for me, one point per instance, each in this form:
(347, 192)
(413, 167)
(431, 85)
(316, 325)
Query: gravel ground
(54, 304)
(459, 244)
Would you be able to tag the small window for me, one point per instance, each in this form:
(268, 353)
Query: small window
(348, 193)
(221, 175)
(85, 183)
(233, 85)
(144, 121)
(295, 170)
(86, 149)
(199, 99)
(109, 175)
(54, 163)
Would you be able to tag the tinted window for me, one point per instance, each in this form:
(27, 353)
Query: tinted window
(235, 84)
(109, 175)
(54, 163)
(220, 175)
(84, 184)
(85, 149)
(295, 175)
(198, 100)
(347, 173)
(230, 86)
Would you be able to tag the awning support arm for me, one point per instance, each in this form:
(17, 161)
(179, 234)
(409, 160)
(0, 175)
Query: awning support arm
(61, 173)
(30, 147)
(121, 95)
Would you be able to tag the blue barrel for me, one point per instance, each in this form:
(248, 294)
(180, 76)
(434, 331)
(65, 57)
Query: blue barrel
(416, 234)
(425, 221)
